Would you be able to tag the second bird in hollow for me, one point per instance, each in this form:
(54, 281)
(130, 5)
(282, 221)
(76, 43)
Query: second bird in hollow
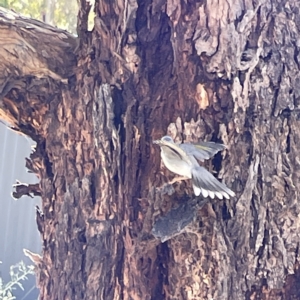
(182, 159)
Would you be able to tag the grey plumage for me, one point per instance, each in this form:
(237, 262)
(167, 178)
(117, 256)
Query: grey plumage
(182, 159)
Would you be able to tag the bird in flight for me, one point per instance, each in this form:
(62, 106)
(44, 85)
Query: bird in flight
(182, 159)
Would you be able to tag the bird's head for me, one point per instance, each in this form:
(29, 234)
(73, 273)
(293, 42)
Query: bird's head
(164, 139)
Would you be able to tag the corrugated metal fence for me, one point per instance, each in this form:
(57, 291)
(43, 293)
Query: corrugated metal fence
(18, 228)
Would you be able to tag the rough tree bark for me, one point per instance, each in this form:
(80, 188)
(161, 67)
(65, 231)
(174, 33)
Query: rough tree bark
(215, 70)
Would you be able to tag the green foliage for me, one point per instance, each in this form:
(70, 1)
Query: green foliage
(17, 272)
(4, 3)
(60, 13)
(65, 15)
(30, 9)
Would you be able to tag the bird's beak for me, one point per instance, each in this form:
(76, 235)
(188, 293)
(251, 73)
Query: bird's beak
(156, 142)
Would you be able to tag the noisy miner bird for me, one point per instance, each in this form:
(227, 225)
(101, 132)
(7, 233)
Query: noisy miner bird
(182, 159)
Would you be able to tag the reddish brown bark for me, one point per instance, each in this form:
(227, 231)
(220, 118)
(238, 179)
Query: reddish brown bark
(223, 71)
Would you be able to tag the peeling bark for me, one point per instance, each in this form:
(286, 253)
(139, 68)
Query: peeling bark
(112, 228)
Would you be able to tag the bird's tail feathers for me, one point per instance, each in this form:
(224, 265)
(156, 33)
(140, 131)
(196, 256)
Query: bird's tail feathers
(205, 183)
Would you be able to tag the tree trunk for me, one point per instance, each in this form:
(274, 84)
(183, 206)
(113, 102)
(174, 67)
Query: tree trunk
(112, 227)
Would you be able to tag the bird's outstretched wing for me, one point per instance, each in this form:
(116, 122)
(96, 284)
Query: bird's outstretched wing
(202, 150)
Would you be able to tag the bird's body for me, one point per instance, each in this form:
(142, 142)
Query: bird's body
(182, 167)
(182, 159)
